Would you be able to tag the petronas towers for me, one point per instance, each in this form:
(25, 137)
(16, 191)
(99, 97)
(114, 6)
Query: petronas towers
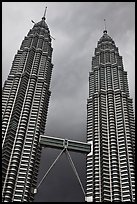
(110, 121)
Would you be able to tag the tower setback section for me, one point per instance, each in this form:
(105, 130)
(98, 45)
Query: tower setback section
(110, 126)
(25, 99)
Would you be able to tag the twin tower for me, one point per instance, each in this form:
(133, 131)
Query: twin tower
(110, 168)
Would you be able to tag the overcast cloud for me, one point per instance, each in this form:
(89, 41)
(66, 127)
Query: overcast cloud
(76, 27)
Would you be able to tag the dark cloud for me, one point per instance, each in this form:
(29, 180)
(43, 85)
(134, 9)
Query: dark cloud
(76, 27)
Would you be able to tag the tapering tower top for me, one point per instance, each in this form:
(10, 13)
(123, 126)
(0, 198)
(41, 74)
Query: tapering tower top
(43, 18)
(105, 31)
(42, 23)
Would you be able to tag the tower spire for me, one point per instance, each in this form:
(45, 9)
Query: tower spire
(105, 31)
(43, 18)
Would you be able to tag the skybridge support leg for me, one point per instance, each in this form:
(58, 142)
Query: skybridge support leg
(65, 145)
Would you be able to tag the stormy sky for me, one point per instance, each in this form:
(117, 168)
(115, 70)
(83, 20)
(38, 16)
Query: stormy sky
(76, 27)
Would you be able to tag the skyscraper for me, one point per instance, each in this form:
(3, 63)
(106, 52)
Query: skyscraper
(110, 127)
(25, 99)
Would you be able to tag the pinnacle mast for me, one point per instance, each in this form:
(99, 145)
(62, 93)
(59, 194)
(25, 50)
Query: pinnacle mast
(105, 31)
(43, 18)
